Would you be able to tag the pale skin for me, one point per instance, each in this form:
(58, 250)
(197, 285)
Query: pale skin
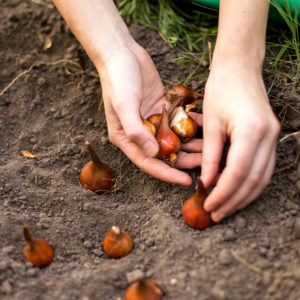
(235, 105)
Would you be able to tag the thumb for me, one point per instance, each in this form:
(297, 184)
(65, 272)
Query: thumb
(213, 145)
(136, 132)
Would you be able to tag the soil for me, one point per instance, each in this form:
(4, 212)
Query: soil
(50, 111)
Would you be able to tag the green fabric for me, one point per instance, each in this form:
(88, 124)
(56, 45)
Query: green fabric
(273, 14)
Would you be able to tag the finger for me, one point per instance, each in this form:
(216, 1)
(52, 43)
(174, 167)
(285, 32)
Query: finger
(198, 118)
(265, 181)
(251, 184)
(188, 160)
(194, 145)
(213, 144)
(239, 163)
(135, 130)
(153, 166)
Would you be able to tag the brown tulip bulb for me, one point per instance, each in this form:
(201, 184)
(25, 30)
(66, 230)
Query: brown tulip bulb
(183, 125)
(117, 243)
(145, 289)
(38, 252)
(155, 119)
(168, 141)
(193, 212)
(182, 92)
(151, 127)
(96, 175)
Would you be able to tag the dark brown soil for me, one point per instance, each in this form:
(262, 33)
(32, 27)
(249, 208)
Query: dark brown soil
(51, 111)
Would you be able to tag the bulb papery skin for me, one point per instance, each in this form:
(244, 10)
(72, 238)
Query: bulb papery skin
(117, 243)
(98, 180)
(168, 141)
(193, 212)
(183, 126)
(145, 289)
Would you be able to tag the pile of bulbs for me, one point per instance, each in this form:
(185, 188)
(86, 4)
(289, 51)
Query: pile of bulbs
(171, 131)
(98, 177)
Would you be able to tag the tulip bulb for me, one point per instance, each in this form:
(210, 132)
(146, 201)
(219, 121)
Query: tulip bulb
(184, 126)
(168, 141)
(38, 252)
(193, 212)
(155, 119)
(145, 289)
(150, 126)
(117, 243)
(96, 175)
(182, 92)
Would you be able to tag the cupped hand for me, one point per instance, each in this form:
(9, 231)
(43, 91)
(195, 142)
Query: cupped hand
(236, 107)
(131, 87)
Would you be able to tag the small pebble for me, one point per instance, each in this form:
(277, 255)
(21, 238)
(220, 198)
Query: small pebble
(41, 81)
(173, 281)
(5, 288)
(218, 292)
(135, 276)
(87, 244)
(225, 257)
(104, 140)
(97, 251)
(229, 235)
(7, 250)
(240, 222)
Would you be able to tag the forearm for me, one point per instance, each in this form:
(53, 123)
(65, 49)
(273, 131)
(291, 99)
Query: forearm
(98, 27)
(242, 32)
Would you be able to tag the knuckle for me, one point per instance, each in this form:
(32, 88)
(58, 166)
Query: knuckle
(276, 128)
(238, 174)
(255, 180)
(258, 126)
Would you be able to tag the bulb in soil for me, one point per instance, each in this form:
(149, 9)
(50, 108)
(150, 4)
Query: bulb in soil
(117, 243)
(193, 212)
(184, 126)
(145, 289)
(38, 252)
(168, 141)
(96, 175)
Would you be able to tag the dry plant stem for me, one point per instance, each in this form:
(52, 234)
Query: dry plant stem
(38, 64)
(258, 270)
(289, 135)
(290, 165)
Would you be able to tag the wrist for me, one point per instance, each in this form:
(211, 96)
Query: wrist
(251, 59)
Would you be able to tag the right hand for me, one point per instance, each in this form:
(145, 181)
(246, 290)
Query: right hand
(131, 87)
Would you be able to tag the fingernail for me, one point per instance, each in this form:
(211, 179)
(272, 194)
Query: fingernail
(208, 207)
(150, 148)
(218, 216)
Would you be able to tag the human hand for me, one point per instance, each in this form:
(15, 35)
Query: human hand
(236, 107)
(131, 87)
